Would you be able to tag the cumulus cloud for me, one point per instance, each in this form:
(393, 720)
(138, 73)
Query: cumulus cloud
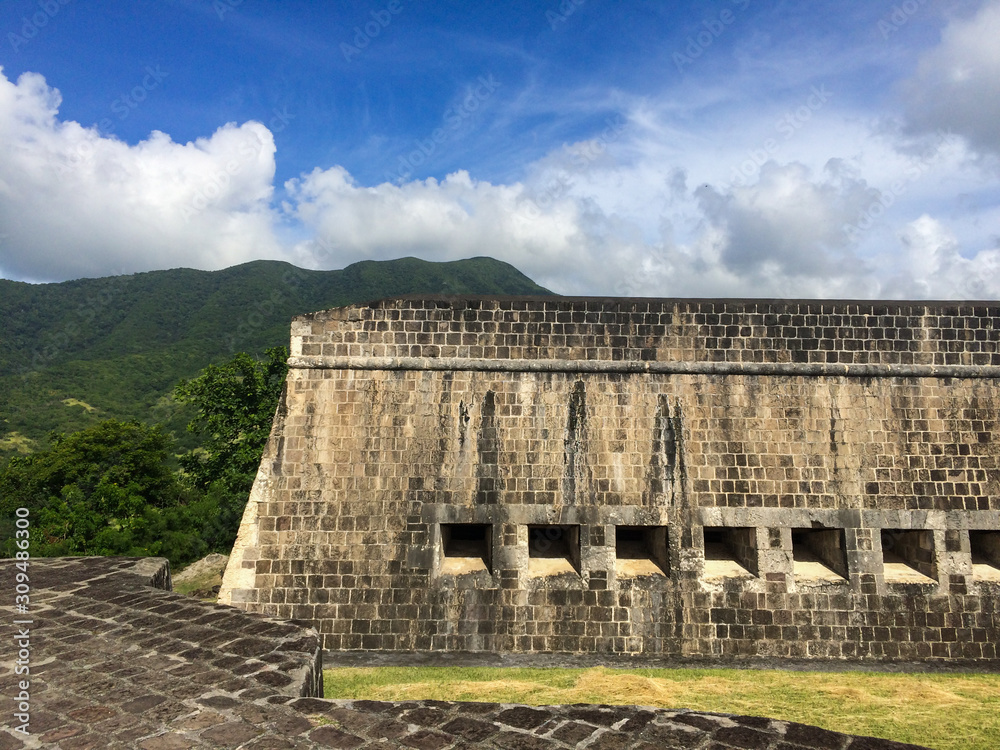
(787, 221)
(540, 232)
(785, 235)
(957, 84)
(782, 236)
(930, 266)
(75, 203)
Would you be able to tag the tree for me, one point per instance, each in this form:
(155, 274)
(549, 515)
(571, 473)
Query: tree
(235, 405)
(106, 490)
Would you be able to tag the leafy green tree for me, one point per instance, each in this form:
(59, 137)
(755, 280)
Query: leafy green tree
(106, 490)
(235, 404)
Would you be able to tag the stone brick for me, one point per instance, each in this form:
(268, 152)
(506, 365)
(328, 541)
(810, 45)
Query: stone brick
(742, 737)
(231, 734)
(517, 741)
(92, 714)
(470, 729)
(523, 717)
(813, 737)
(140, 705)
(426, 739)
(574, 732)
(332, 737)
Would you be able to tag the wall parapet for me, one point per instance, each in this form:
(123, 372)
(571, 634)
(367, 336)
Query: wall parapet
(666, 330)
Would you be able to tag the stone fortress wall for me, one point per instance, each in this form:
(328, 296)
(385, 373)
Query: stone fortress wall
(637, 476)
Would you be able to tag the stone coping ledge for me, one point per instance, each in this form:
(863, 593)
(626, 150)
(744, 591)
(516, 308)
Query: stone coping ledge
(788, 369)
(118, 661)
(551, 660)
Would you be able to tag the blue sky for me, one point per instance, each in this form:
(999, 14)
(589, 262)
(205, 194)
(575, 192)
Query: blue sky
(728, 148)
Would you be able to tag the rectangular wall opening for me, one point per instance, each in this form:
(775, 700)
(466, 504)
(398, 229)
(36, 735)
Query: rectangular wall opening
(641, 551)
(553, 550)
(985, 555)
(730, 552)
(819, 555)
(908, 556)
(466, 547)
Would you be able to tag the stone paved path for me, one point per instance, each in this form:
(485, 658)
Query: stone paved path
(118, 662)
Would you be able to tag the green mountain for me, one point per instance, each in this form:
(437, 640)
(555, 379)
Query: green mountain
(77, 352)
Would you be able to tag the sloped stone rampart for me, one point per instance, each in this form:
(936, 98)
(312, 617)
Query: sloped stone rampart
(854, 438)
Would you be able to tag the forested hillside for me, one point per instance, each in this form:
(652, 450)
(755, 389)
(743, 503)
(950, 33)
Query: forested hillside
(75, 353)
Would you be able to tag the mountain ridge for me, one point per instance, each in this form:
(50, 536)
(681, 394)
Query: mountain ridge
(115, 346)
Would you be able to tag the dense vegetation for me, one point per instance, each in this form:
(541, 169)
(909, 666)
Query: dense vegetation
(135, 409)
(116, 488)
(106, 490)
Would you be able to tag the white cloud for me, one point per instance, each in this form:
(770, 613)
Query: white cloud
(457, 217)
(75, 203)
(957, 84)
(781, 236)
(930, 266)
(786, 221)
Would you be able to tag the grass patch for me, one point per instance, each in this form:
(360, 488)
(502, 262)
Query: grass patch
(16, 442)
(204, 587)
(201, 579)
(941, 711)
(76, 402)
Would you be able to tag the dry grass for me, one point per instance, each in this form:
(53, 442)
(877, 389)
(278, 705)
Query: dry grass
(941, 711)
(15, 441)
(76, 402)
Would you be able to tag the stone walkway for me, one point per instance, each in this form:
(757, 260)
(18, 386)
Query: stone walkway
(118, 661)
